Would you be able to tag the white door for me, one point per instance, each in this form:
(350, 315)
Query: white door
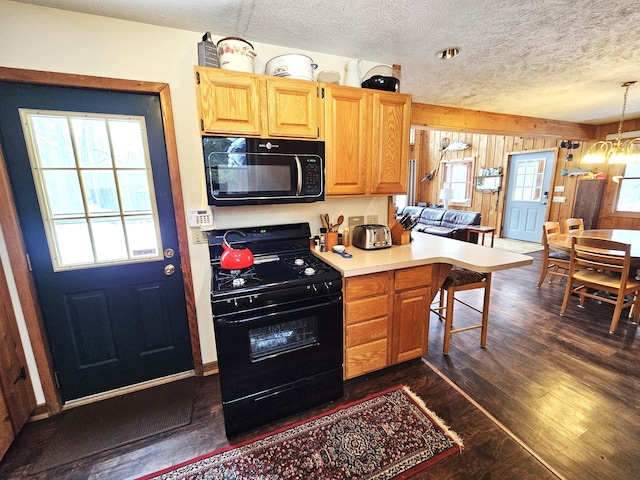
(527, 195)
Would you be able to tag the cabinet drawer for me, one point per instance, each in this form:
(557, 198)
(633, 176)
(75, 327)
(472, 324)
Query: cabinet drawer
(366, 309)
(365, 358)
(366, 332)
(413, 277)
(367, 286)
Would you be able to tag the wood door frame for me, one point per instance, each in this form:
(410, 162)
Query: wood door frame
(10, 223)
(505, 180)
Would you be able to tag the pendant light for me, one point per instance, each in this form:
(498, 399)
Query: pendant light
(618, 151)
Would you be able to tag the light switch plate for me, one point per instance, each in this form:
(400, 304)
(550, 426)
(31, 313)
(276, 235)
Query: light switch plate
(198, 236)
(372, 219)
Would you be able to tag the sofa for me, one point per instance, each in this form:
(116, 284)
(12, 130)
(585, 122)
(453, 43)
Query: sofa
(442, 222)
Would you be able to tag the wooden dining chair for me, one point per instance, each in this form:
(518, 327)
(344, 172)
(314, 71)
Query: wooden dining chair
(460, 279)
(554, 264)
(604, 266)
(574, 225)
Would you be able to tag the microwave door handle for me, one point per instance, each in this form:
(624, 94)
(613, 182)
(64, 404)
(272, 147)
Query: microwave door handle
(299, 168)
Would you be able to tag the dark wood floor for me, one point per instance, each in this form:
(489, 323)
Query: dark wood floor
(562, 385)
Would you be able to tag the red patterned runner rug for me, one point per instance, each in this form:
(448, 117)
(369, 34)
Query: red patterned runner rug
(389, 435)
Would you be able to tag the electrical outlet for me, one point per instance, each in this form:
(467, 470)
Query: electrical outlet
(372, 218)
(198, 236)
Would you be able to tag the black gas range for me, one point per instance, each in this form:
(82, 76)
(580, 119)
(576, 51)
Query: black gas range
(278, 326)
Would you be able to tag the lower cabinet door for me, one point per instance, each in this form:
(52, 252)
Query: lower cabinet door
(410, 324)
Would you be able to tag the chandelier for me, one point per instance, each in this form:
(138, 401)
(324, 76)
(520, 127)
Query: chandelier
(618, 151)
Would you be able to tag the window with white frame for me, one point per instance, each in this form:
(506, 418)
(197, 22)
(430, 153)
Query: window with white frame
(628, 199)
(94, 185)
(457, 181)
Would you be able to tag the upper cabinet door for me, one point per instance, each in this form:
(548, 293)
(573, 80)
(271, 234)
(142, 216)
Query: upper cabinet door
(346, 140)
(293, 108)
(228, 103)
(390, 142)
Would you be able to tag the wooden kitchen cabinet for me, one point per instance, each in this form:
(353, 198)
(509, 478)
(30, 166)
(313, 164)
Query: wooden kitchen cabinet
(390, 139)
(367, 318)
(237, 103)
(347, 149)
(367, 141)
(411, 313)
(386, 318)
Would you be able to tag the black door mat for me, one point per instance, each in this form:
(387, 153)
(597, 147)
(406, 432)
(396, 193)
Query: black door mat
(97, 427)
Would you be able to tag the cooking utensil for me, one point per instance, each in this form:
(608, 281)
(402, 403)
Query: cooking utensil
(236, 54)
(380, 82)
(329, 76)
(291, 65)
(235, 258)
(327, 221)
(323, 219)
(340, 220)
(340, 250)
(380, 70)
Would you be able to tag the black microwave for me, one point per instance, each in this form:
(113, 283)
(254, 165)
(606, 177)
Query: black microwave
(258, 171)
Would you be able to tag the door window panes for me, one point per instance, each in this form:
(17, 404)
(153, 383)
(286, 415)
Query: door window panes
(91, 142)
(527, 180)
(53, 141)
(95, 189)
(62, 188)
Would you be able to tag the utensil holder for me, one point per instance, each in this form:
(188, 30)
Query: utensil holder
(400, 236)
(331, 240)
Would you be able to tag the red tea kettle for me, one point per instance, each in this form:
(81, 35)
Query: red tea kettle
(235, 258)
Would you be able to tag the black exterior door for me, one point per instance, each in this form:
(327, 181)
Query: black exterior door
(120, 318)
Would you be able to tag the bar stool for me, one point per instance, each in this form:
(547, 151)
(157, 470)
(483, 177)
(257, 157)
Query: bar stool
(458, 280)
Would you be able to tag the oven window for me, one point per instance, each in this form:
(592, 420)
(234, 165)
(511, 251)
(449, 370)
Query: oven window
(284, 337)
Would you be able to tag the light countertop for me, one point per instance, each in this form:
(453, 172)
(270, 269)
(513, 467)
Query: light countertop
(425, 249)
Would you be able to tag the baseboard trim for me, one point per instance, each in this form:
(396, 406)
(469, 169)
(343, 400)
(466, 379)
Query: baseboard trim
(210, 368)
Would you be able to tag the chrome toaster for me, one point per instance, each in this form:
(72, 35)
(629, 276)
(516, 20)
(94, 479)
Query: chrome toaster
(371, 237)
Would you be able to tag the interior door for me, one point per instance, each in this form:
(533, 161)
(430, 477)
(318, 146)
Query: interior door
(17, 399)
(90, 179)
(527, 195)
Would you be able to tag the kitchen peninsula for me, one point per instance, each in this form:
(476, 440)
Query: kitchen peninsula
(388, 292)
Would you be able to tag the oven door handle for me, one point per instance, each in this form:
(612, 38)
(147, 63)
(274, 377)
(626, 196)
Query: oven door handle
(331, 302)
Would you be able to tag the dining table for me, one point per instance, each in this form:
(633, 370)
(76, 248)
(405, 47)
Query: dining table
(561, 242)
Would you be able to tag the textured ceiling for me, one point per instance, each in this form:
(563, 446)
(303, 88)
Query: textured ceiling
(552, 59)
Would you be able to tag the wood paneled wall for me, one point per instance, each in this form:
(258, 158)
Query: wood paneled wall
(494, 137)
(493, 151)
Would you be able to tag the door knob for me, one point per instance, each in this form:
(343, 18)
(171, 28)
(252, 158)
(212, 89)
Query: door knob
(169, 269)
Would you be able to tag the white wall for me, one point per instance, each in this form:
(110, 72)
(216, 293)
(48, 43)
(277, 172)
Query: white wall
(40, 38)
